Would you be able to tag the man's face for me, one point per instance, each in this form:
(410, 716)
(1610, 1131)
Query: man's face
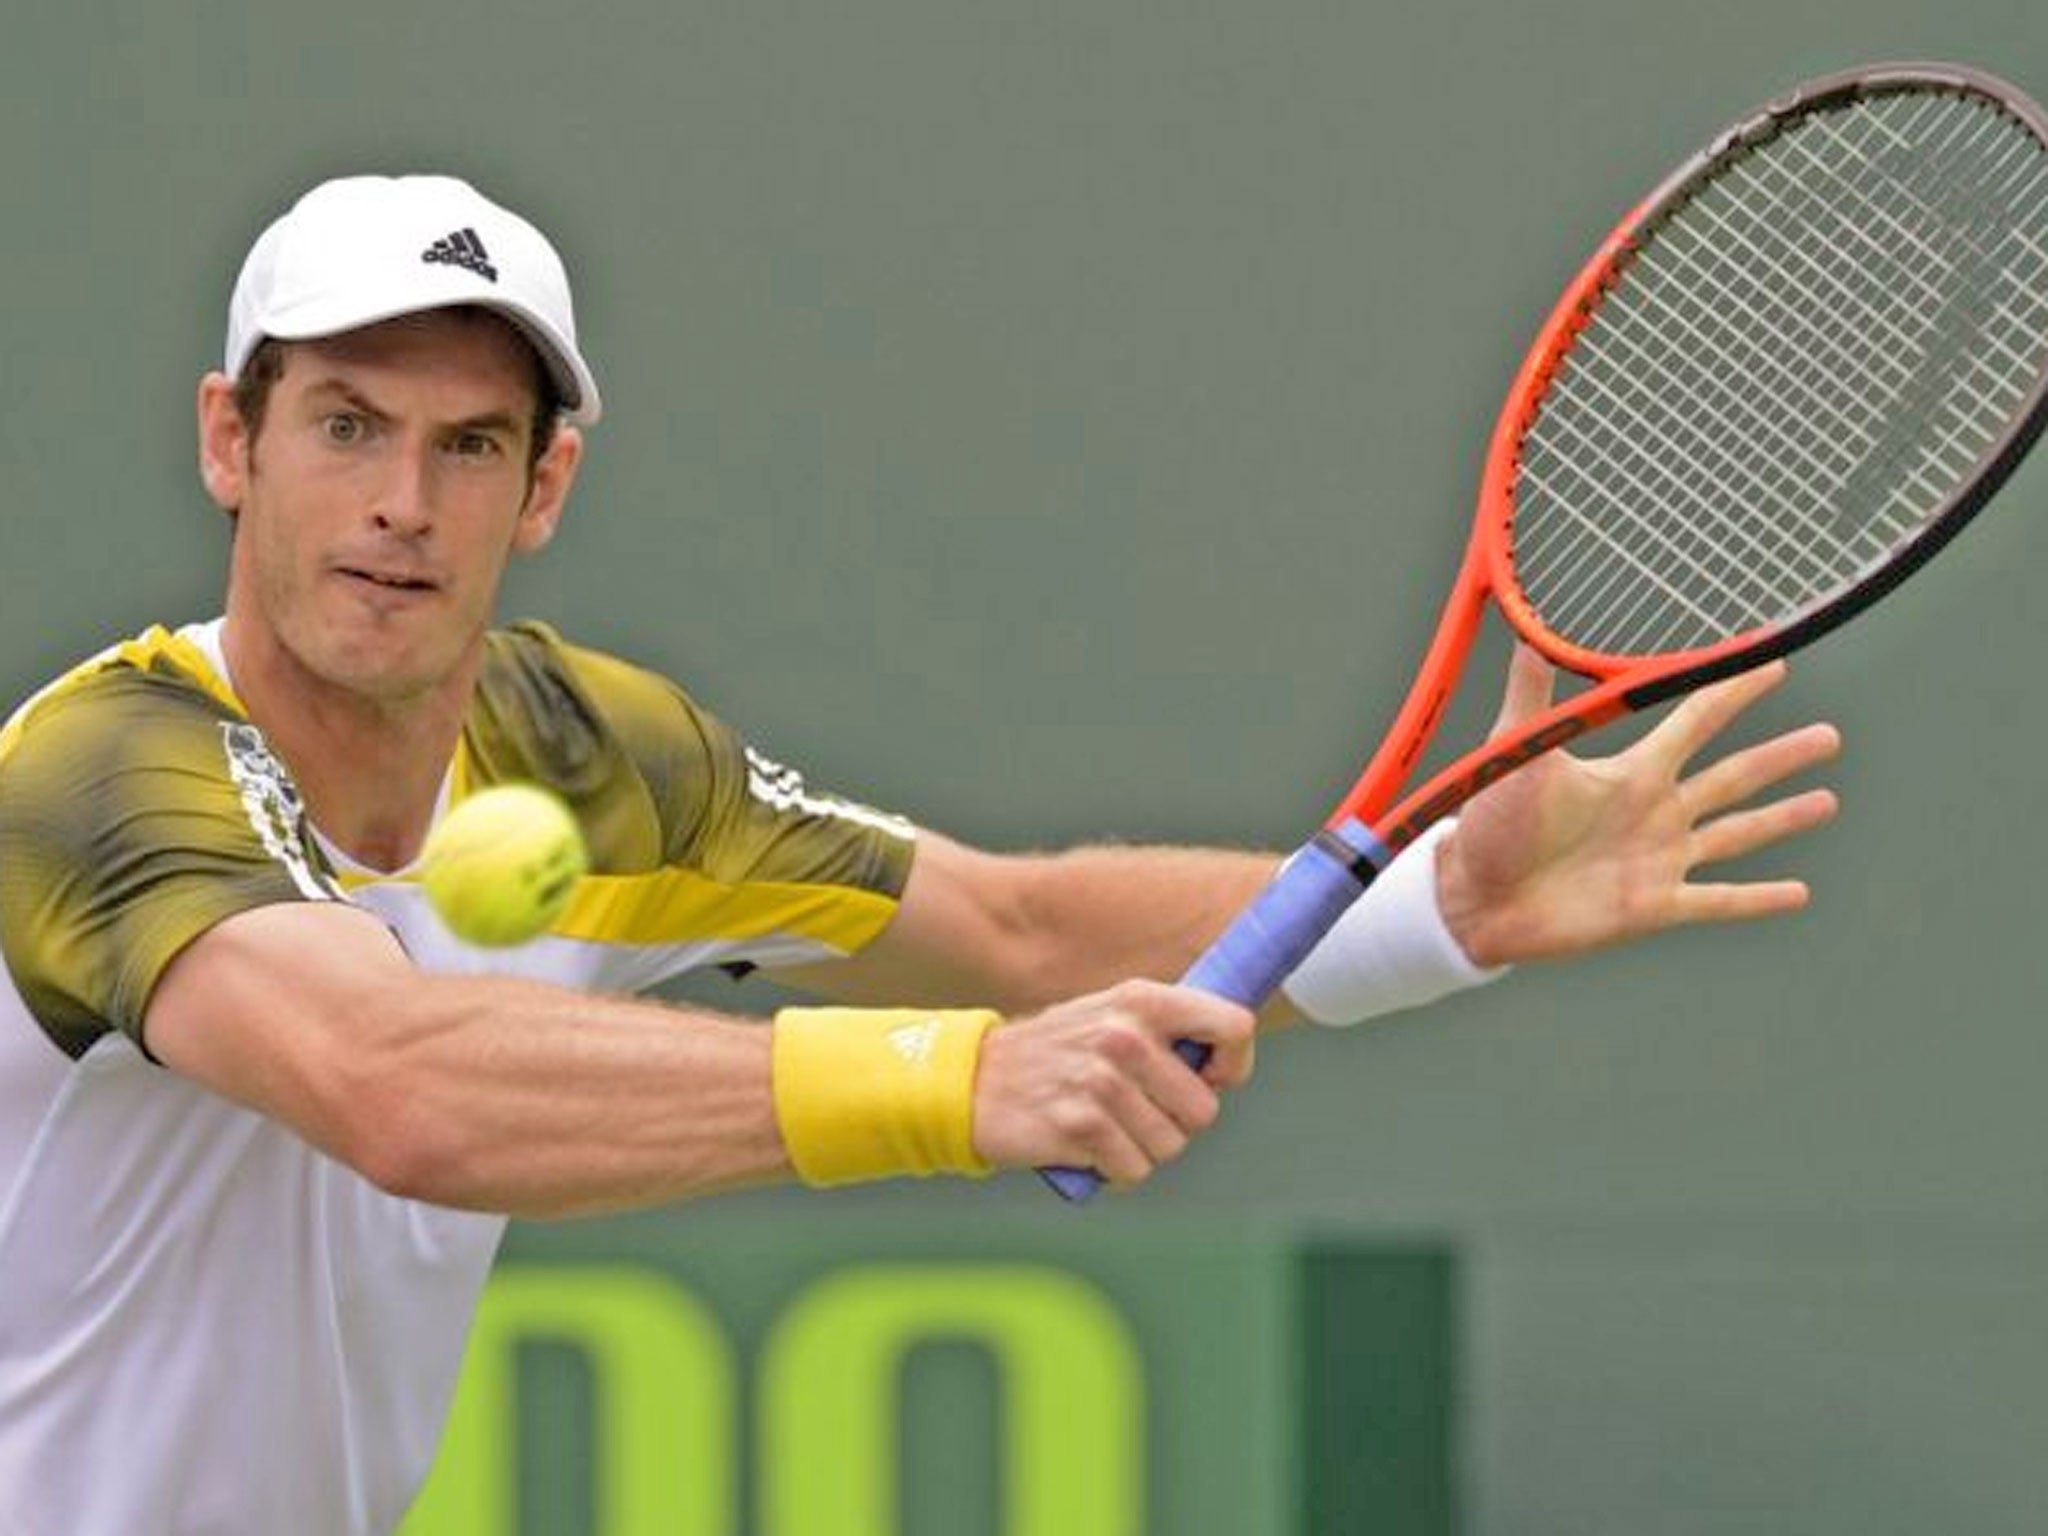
(386, 489)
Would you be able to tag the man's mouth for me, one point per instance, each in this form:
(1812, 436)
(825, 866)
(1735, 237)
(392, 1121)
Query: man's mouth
(395, 581)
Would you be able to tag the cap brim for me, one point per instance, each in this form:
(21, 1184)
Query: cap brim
(580, 402)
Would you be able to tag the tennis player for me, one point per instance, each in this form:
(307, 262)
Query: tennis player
(263, 1119)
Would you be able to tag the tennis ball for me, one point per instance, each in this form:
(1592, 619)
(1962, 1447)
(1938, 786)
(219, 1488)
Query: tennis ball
(500, 866)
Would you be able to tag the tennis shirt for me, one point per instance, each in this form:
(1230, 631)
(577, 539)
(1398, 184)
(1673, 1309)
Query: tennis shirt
(207, 1326)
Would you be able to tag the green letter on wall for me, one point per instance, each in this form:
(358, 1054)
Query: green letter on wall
(662, 1383)
(1074, 1443)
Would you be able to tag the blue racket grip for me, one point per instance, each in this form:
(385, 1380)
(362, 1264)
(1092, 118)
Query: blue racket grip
(1266, 941)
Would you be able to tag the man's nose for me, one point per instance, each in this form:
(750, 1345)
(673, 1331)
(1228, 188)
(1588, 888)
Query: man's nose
(405, 501)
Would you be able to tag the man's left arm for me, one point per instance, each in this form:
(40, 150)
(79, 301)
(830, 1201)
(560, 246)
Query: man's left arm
(1018, 932)
(1568, 856)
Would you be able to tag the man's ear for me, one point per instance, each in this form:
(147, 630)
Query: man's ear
(553, 476)
(224, 442)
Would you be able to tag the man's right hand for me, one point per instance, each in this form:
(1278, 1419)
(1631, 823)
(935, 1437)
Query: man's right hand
(1094, 1083)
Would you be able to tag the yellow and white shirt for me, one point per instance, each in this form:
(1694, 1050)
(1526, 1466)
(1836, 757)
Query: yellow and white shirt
(205, 1324)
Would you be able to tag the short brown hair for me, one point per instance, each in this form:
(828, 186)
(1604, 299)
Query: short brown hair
(266, 366)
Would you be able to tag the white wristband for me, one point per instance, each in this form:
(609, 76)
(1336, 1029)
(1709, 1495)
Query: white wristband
(1390, 951)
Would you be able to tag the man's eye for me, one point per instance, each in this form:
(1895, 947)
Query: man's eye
(475, 445)
(343, 427)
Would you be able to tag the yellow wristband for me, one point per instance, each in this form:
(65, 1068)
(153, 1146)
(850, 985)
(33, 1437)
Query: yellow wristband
(870, 1093)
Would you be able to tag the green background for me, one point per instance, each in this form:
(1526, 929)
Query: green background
(1059, 420)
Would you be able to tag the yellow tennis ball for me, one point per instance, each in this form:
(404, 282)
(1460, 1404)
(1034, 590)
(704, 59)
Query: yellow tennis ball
(500, 866)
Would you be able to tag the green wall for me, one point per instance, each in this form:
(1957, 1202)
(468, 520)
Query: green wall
(1058, 420)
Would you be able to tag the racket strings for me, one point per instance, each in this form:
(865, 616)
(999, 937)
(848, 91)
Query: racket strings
(1971, 206)
(1800, 367)
(1801, 456)
(1906, 352)
(1887, 342)
(1798, 421)
(1801, 460)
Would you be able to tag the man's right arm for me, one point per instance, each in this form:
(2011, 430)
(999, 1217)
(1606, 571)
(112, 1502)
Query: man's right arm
(517, 1096)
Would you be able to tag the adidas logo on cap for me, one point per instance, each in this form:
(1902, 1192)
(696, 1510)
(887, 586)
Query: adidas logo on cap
(462, 249)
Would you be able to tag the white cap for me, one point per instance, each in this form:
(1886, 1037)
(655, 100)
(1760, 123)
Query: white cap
(362, 249)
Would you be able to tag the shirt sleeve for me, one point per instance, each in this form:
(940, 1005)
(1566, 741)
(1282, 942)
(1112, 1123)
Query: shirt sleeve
(135, 813)
(702, 850)
(729, 810)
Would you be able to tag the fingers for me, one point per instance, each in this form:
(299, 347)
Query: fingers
(1736, 778)
(1095, 1083)
(1121, 1134)
(1745, 774)
(1731, 903)
(1700, 717)
(1747, 832)
(1741, 776)
(1531, 683)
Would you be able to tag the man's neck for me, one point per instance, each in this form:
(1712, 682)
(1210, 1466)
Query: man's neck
(370, 770)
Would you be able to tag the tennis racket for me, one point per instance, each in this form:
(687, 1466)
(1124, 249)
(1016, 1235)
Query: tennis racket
(1784, 381)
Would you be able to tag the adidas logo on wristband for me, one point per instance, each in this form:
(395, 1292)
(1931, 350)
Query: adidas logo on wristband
(914, 1042)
